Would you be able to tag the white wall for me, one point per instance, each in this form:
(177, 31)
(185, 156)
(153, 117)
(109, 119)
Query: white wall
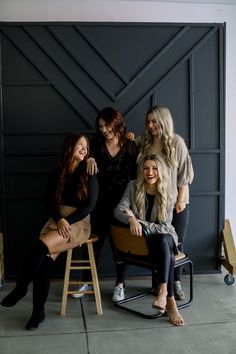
(150, 11)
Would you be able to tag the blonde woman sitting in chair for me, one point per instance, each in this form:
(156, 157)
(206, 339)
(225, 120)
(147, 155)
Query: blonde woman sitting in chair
(146, 202)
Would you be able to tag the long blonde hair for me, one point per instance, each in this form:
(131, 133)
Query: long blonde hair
(161, 188)
(164, 119)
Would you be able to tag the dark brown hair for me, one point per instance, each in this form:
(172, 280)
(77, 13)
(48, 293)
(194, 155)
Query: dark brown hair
(114, 119)
(65, 168)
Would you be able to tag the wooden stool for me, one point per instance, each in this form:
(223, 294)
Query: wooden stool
(72, 264)
(1, 260)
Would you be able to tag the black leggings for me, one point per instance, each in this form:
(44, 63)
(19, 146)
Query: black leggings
(180, 223)
(161, 248)
(103, 234)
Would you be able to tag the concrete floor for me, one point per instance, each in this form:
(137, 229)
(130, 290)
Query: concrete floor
(210, 323)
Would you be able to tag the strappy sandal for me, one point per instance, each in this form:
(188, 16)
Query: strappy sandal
(175, 318)
(160, 304)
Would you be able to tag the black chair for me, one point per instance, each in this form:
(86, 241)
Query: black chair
(134, 251)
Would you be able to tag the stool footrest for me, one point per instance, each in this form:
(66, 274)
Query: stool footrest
(80, 282)
(80, 292)
(80, 267)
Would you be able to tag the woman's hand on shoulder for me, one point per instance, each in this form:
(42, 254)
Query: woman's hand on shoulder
(92, 167)
(52, 225)
(130, 136)
(63, 228)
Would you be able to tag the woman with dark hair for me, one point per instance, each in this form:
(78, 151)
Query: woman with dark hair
(147, 201)
(72, 195)
(114, 157)
(116, 160)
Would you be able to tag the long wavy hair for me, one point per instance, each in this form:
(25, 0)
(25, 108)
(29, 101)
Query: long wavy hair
(161, 188)
(65, 168)
(113, 118)
(164, 119)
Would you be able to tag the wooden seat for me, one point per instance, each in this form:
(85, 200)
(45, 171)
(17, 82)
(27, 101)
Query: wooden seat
(72, 264)
(134, 250)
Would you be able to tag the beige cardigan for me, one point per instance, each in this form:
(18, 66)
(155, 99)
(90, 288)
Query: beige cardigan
(182, 174)
(128, 202)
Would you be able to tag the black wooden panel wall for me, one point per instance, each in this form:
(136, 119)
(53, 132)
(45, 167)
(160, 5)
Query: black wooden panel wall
(55, 77)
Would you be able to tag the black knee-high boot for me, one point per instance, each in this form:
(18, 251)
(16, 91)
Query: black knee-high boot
(37, 255)
(41, 285)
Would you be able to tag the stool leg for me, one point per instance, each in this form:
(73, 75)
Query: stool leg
(1, 271)
(66, 282)
(1, 260)
(95, 279)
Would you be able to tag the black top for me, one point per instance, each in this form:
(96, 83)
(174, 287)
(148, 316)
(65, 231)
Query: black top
(150, 201)
(114, 172)
(69, 195)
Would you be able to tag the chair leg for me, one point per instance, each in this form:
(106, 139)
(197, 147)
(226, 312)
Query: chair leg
(152, 291)
(120, 304)
(190, 263)
(66, 282)
(95, 279)
(1, 271)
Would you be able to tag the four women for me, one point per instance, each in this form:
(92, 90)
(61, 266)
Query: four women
(165, 171)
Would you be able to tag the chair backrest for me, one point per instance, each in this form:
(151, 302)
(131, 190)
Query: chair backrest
(125, 242)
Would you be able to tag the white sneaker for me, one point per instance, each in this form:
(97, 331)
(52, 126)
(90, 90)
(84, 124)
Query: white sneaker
(84, 287)
(119, 294)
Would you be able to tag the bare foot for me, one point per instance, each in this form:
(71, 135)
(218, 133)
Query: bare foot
(174, 316)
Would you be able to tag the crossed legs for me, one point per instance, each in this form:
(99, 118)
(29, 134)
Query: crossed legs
(162, 255)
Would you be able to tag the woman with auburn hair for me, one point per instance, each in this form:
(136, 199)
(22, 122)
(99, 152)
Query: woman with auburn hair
(72, 195)
(159, 138)
(147, 202)
(114, 160)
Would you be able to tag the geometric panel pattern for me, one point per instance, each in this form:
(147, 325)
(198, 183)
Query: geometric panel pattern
(56, 77)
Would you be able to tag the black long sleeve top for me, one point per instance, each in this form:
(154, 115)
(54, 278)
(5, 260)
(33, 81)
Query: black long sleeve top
(114, 172)
(69, 196)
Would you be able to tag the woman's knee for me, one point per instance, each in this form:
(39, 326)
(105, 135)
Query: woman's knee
(161, 240)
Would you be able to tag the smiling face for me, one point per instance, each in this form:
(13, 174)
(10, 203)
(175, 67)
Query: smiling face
(81, 149)
(153, 125)
(105, 129)
(150, 173)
